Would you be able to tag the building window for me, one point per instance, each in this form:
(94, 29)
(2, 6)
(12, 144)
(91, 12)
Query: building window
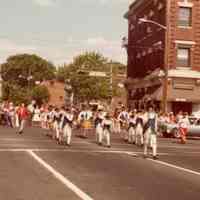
(149, 29)
(160, 6)
(183, 57)
(185, 17)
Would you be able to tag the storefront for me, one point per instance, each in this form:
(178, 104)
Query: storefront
(183, 94)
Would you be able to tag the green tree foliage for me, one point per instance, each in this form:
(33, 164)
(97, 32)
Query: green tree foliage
(40, 94)
(84, 86)
(19, 74)
(19, 68)
(15, 93)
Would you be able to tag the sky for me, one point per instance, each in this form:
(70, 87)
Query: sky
(59, 30)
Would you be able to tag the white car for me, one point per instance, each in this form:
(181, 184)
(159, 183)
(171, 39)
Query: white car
(171, 129)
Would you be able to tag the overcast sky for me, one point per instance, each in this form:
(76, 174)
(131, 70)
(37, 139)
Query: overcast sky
(58, 30)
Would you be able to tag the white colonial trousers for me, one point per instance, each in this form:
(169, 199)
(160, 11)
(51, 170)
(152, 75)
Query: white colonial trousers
(131, 133)
(99, 133)
(67, 133)
(107, 125)
(56, 128)
(139, 134)
(106, 135)
(150, 140)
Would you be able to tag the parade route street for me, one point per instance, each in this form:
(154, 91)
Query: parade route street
(34, 167)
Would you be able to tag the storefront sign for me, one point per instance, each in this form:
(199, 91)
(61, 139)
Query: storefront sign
(181, 100)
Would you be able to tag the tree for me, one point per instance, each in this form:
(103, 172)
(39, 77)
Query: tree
(15, 93)
(19, 68)
(22, 71)
(40, 94)
(84, 86)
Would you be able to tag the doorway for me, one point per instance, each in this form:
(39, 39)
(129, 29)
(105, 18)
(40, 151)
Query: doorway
(182, 106)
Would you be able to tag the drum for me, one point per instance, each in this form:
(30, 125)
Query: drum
(87, 124)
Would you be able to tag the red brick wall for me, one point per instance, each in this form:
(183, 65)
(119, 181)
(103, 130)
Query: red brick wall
(141, 41)
(140, 67)
(56, 90)
(188, 34)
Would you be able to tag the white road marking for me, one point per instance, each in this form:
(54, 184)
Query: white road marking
(175, 167)
(133, 153)
(179, 147)
(60, 177)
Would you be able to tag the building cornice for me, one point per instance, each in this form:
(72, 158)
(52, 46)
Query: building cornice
(134, 5)
(184, 73)
(185, 4)
(184, 42)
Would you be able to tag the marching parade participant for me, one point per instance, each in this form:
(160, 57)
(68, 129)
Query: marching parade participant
(36, 116)
(139, 138)
(123, 119)
(67, 122)
(50, 118)
(150, 135)
(107, 125)
(131, 128)
(98, 126)
(56, 122)
(116, 121)
(84, 119)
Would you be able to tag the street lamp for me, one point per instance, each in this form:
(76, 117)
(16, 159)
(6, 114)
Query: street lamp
(165, 82)
(143, 20)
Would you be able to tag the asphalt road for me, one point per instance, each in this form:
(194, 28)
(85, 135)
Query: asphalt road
(33, 167)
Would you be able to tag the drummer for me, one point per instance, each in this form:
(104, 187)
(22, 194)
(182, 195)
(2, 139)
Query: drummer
(85, 120)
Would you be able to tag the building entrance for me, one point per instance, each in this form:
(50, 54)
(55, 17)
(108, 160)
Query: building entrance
(182, 106)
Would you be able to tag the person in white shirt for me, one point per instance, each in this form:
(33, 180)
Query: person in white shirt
(98, 126)
(123, 120)
(150, 135)
(139, 128)
(107, 125)
(36, 116)
(56, 121)
(84, 119)
(131, 128)
(67, 122)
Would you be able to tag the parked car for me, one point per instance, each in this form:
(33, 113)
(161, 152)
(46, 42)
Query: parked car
(171, 129)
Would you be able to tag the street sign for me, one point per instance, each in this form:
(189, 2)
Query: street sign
(97, 74)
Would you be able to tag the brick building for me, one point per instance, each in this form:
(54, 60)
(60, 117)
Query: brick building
(153, 51)
(56, 91)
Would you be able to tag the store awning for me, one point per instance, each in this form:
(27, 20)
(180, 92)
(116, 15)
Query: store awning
(175, 95)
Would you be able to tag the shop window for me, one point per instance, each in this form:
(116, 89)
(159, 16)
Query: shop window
(185, 17)
(183, 57)
(149, 29)
(160, 6)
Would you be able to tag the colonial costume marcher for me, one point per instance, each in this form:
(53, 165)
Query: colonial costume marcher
(123, 120)
(107, 125)
(150, 135)
(139, 128)
(85, 121)
(131, 129)
(67, 122)
(98, 126)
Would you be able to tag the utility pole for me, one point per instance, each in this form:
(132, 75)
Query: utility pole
(1, 84)
(111, 81)
(166, 62)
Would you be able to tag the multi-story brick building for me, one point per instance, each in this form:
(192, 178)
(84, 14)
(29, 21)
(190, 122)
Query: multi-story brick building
(154, 51)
